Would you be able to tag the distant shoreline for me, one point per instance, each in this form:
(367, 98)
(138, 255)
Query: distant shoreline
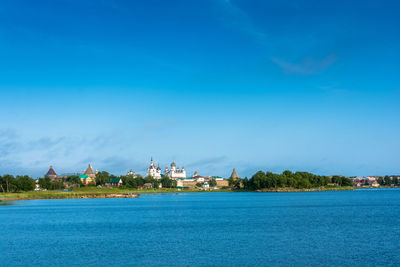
(344, 188)
(68, 195)
(87, 193)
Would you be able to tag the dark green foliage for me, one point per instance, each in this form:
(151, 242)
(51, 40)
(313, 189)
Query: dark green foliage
(74, 179)
(25, 183)
(102, 177)
(9, 183)
(341, 181)
(166, 182)
(300, 180)
(199, 184)
(48, 184)
(57, 185)
(234, 182)
(387, 180)
(155, 182)
(212, 182)
(130, 181)
(45, 183)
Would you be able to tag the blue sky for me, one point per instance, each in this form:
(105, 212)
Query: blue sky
(214, 84)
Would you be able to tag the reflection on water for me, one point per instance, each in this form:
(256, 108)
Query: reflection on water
(209, 229)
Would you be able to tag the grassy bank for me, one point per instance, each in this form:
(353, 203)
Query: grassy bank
(93, 192)
(62, 195)
(90, 192)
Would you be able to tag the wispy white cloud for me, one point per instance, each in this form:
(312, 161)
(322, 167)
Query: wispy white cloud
(307, 66)
(239, 19)
(34, 155)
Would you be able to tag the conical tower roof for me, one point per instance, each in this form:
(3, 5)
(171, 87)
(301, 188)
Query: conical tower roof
(234, 174)
(51, 171)
(89, 170)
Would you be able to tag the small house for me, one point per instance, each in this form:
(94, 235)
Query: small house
(114, 182)
(147, 186)
(206, 186)
(85, 179)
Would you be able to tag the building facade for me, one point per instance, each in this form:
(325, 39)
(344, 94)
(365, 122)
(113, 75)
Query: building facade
(175, 173)
(85, 179)
(131, 173)
(114, 182)
(153, 171)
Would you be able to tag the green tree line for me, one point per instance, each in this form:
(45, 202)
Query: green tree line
(129, 181)
(298, 180)
(9, 183)
(387, 180)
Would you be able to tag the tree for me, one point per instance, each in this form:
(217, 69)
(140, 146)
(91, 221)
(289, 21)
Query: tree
(139, 180)
(1, 185)
(292, 182)
(167, 182)
(155, 182)
(257, 181)
(9, 183)
(74, 179)
(199, 185)
(212, 183)
(129, 181)
(287, 173)
(234, 182)
(45, 183)
(102, 177)
(346, 181)
(299, 180)
(303, 183)
(57, 185)
(25, 183)
(387, 180)
(246, 183)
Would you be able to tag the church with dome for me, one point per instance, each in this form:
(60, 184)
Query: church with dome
(175, 173)
(153, 171)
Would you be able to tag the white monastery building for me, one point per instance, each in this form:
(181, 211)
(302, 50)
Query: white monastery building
(175, 173)
(153, 171)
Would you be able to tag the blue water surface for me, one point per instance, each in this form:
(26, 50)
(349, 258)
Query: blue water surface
(343, 228)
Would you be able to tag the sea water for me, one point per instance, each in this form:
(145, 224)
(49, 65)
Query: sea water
(342, 228)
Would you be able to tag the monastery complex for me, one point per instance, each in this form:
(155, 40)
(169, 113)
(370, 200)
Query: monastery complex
(88, 176)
